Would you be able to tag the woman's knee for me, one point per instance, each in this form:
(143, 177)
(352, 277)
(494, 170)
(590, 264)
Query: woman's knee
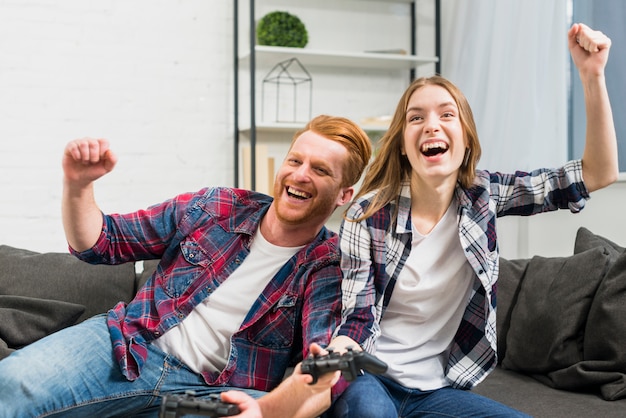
(362, 408)
(366, 397)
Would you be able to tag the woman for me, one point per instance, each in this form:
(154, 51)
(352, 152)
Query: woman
(420, 252)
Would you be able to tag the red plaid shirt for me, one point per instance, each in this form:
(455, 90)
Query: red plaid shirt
(201, 238)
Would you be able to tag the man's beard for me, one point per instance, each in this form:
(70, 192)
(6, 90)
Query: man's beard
(321, 209)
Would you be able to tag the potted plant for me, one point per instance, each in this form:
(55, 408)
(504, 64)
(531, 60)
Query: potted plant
(281, 28)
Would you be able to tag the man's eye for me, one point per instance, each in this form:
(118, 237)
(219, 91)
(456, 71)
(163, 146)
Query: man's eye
(322, 171)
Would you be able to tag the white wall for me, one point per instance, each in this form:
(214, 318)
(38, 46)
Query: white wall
(154, 77)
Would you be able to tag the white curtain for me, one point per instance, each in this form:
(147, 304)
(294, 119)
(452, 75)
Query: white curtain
(510, 58)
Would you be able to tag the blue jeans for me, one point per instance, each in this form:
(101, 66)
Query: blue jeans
(371, 396)
(73, 373)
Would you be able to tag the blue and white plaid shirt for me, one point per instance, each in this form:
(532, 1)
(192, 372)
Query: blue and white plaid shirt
(375, 250)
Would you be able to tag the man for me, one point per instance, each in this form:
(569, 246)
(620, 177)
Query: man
(246, 285)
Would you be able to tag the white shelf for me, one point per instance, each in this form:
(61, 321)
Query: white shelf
(288, 127)
(335, 62)
(271, 55)
(274, 127)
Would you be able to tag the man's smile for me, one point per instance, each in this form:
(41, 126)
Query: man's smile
(298, 194)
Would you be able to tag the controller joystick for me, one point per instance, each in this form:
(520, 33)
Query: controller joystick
(351, 363)
(174, 406)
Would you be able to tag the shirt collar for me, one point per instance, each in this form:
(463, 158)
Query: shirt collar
(403, 225)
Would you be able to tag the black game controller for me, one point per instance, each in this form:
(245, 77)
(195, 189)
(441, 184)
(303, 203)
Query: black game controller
(351, 363)
(174, 406)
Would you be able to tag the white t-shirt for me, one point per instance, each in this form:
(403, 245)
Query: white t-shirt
(426, 307)
(202, 339)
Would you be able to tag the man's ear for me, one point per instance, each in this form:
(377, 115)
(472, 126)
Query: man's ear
(345, 195)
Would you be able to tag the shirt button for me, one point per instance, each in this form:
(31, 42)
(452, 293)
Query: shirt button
(181, 316)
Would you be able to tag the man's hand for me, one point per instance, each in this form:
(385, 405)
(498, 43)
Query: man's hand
(248, 406)
(86, 160)
(296, 397)
(324, 382)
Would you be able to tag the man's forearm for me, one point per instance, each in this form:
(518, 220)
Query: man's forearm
(82, 218)
(314, 406)
(291, 400)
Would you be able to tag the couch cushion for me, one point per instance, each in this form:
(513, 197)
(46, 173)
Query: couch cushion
(604, 363)
(509, 280)
(548, 320)
(25, 320)
(586, 240)
(62, 277)
(538, 400)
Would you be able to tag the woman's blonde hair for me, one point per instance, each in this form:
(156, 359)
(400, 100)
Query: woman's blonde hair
(390, 168)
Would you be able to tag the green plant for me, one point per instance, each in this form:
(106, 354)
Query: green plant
(281, 29)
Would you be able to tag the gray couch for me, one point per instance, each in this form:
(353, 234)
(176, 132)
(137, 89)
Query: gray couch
(561, 321)
(562, 332)
(41, 293)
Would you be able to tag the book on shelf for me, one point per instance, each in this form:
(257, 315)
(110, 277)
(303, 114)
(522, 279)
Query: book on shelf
(264, 180)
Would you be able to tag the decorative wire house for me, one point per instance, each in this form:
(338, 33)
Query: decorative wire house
(288, 77)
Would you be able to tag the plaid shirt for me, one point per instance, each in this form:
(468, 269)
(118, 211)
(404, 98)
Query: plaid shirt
(375, 250)
(201, 238)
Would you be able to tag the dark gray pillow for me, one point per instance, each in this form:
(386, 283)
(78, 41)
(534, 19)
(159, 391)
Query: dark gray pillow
(585, 240)
(603, 368)
(509, 283)
(24, 320)
(548, 321)
(605, 335)
(62, 277)
(4, 349)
